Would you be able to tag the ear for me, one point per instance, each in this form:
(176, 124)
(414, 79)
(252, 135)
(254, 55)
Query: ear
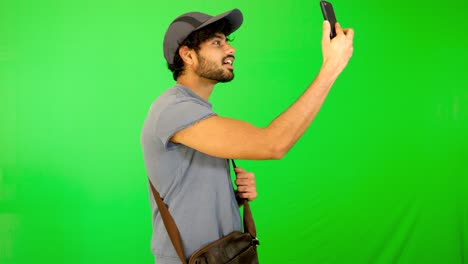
(186, 54)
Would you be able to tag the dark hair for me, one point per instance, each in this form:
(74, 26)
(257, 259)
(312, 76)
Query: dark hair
(194, 40)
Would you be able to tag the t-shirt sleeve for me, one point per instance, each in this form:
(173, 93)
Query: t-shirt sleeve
(179, 115)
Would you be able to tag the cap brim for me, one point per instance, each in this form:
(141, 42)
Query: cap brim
(234, 17)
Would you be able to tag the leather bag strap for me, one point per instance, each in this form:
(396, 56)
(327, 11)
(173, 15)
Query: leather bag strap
(169, 223)
(249, 224)
(173, 231)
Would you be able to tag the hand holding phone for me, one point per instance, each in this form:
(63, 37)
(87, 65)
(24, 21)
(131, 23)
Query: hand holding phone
(329, 14)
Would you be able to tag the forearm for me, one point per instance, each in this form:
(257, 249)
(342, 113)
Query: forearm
(288, 127)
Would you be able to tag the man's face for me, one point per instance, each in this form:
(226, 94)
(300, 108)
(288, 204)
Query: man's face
(215, 59)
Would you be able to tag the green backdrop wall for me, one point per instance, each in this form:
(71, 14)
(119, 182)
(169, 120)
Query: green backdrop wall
(380, 176)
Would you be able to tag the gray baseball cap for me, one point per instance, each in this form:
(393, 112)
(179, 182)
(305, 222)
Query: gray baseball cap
(187, 23)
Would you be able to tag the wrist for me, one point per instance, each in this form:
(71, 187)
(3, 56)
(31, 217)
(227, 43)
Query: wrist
(327, 75)
(329, 69)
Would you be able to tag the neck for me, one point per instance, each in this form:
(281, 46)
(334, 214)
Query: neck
(200, 86)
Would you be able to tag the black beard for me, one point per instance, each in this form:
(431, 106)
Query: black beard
(210, 71)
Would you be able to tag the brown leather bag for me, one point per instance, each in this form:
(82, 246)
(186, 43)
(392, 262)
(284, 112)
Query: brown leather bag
(234, 248)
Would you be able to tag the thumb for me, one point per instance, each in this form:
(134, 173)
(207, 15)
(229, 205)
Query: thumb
(326, 32)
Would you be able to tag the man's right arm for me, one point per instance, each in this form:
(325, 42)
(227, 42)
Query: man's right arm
(229, 138)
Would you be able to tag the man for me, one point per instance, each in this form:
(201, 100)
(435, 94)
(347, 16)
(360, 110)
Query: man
(186, 145)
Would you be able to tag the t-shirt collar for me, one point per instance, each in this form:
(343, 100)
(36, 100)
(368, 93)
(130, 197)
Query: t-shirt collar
(191, 93)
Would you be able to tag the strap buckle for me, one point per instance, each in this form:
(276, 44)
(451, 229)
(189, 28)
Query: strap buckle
(255, 241)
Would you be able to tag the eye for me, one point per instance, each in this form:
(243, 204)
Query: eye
(217, 42)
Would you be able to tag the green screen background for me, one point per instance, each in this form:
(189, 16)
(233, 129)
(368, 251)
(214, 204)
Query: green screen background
(379, 177)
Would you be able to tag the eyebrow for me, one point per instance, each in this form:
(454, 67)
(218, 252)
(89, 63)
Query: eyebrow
(219, 36)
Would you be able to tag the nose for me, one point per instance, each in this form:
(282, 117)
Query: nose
(230, 50)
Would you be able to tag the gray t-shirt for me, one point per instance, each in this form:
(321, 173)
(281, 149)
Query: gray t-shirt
(196, 187)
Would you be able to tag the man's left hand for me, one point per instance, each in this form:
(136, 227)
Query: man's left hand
(245, 182)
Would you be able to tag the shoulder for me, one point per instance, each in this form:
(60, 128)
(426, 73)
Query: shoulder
(178, 97)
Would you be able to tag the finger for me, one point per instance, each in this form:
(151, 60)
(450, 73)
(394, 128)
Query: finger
(241, 182)
(245, 182)
(326, 32)
(245, 175)
(239, 169)
(338, 29)
(246, 189)
(243, 195)
(349, 32)
(250, 196)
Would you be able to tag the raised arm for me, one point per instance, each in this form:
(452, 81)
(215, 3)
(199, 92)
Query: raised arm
(229, 138)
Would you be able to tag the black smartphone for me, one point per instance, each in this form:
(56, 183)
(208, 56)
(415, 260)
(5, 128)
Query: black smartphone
(329, 14)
